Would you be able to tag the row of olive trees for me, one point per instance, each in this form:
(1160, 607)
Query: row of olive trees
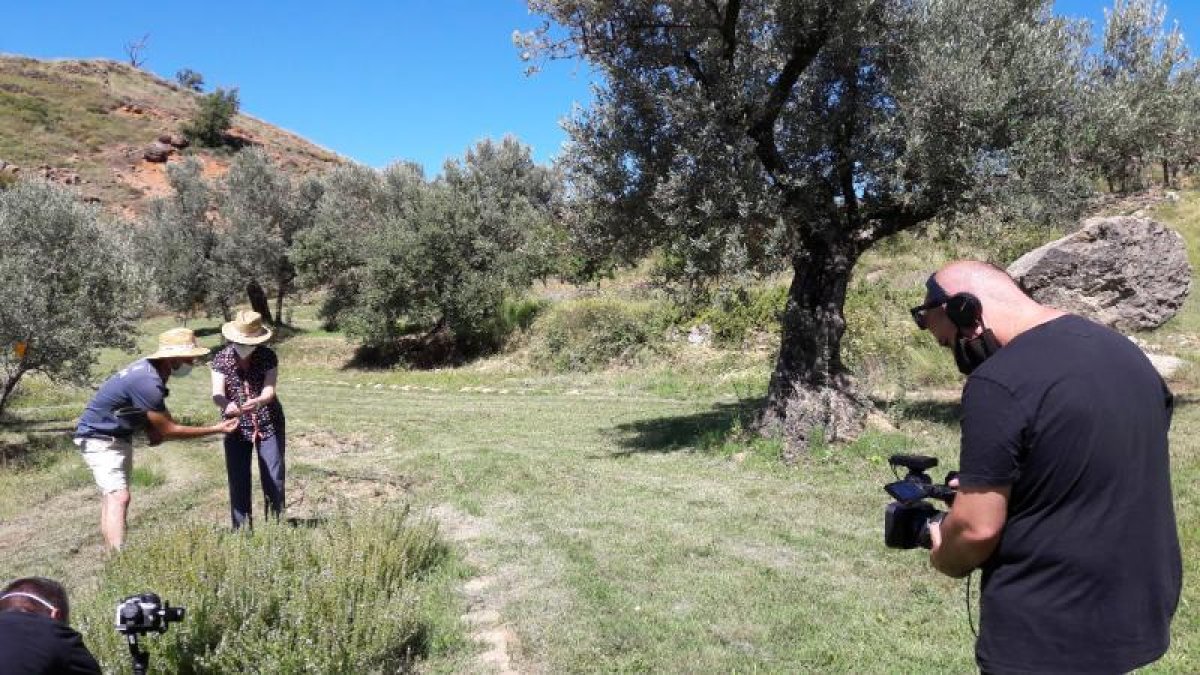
(1140, 91)
(399, 254)
(210, 245)
(395, 252)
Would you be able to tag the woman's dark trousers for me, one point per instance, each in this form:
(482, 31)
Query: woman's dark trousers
(238, 452)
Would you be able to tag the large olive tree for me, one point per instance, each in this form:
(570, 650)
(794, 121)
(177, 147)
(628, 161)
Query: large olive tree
(756, 134)
(71, 285)
(263, 210)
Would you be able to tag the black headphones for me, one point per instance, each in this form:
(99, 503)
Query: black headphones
(964, 310)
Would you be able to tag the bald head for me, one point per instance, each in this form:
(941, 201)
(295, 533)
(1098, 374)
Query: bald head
(1003, 308)
(1006, 309)
(984, 281)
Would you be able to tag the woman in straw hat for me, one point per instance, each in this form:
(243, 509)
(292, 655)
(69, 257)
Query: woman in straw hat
(133, 399)
(244, 375)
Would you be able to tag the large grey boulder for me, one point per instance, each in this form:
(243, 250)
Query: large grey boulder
(1127, 272)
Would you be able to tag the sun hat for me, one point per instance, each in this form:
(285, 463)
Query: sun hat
(246, 329)
(177, 342)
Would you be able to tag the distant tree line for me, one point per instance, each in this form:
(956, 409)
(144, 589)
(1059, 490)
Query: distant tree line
(396, 253)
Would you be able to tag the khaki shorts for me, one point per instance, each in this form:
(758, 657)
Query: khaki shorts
(110, 459)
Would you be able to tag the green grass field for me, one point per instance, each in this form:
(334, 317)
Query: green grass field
(614, 521)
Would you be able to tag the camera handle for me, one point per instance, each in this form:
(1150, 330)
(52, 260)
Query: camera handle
(141, 658)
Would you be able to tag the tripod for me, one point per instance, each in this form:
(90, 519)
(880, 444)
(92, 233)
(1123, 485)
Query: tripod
(141, 658)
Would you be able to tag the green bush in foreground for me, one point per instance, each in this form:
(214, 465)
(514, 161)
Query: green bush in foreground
(357, 593)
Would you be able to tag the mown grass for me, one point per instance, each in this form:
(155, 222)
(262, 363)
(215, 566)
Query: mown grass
(617, 520)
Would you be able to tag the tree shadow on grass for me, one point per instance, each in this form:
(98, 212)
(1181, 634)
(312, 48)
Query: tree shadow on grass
(698, 431)
(422, 351)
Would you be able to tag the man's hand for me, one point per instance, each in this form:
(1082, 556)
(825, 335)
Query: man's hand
(228, 426)
(153, 436)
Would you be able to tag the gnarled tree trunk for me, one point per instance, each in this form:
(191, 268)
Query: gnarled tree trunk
(811, 392)
(258, 300)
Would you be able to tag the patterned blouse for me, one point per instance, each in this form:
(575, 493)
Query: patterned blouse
(270, 416)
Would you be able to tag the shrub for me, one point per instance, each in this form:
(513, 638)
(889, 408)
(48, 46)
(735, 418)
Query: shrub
(190, 79)
(353, 594)
(514, 316)
(735, 314)
(213, 118)
(593, 333)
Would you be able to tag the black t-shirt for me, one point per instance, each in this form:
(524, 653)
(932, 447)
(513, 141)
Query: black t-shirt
(1087, 573)
(32, 644)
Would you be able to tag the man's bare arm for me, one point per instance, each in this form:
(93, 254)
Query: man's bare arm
(970, 533)
(164, 427)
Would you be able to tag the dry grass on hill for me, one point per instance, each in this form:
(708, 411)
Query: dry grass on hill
(85, 123)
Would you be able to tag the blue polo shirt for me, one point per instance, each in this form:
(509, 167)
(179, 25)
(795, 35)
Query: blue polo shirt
(137, 387)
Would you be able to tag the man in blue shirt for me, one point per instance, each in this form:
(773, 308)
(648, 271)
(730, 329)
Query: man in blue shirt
(133, 399)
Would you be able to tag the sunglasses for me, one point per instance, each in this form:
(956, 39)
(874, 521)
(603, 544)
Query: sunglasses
(935, 296)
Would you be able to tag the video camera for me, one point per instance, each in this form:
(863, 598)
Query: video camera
(145, 613)
(141, 614)
(906, 520)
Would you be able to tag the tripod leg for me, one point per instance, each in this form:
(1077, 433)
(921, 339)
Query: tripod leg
(141, 659)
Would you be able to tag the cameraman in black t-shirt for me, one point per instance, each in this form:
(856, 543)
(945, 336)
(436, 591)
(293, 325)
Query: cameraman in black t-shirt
(35, 638)
(1064, 489)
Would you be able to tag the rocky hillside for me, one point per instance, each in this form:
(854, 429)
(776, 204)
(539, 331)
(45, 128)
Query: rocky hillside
(89, 124)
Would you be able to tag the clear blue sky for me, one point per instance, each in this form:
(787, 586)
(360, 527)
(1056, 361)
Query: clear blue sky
(375, 81)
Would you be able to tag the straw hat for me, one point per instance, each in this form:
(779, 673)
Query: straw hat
(177, 342)
(246, 329)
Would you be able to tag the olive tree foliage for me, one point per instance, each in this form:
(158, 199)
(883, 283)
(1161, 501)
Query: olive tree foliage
(179, 238)
(400, 254)
(262, 210)
(190, 79)
(211, 245)
(213, 117)
(737, 135)
(71, 285)
(1142, 91)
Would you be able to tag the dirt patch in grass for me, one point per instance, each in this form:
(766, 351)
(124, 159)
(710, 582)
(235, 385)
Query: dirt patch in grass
(318, 491)
(317, 446)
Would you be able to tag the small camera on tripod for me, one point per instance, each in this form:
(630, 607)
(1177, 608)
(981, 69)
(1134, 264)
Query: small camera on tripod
(141, 614)
(146, 613)
(906, 520)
